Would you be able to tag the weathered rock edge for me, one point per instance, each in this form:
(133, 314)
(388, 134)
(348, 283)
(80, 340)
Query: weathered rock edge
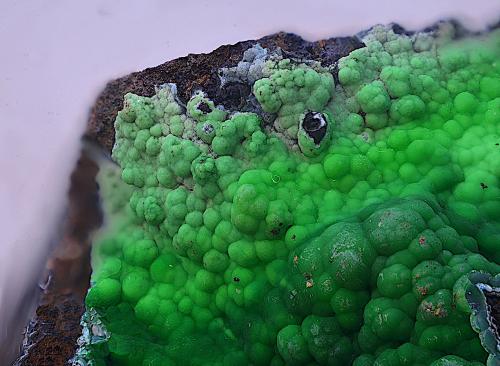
(200, 71)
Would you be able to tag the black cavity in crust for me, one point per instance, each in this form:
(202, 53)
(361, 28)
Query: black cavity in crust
(493, 305)
(315, 125)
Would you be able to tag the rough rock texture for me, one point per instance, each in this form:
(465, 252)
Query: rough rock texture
(52, 333)
(50, 338)
(493, 301)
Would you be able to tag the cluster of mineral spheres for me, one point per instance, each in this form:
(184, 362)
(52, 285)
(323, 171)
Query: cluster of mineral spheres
(343, 228)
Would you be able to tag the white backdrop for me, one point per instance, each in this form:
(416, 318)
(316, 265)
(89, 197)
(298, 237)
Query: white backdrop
(56, 55)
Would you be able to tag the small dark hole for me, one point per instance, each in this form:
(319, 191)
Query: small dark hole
(483, 186)
(208, 128)
(315, 125)
(236, 279)
(204, 107)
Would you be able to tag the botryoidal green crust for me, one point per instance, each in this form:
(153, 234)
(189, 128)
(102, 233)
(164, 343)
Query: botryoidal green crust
(348, 226)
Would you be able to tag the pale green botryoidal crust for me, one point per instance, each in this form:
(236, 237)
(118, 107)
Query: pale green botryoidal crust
(341, 229)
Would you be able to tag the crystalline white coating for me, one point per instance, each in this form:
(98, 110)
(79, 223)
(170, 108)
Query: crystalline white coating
(487, 288)
(249, 69)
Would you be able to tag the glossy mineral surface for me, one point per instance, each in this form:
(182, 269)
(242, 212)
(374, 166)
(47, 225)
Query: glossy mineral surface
(338, 224)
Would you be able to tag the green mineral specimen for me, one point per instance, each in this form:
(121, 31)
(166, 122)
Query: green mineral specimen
(352, 226)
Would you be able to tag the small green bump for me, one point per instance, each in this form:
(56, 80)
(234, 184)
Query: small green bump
(104, 293)
(373, 98)
(465, 102)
